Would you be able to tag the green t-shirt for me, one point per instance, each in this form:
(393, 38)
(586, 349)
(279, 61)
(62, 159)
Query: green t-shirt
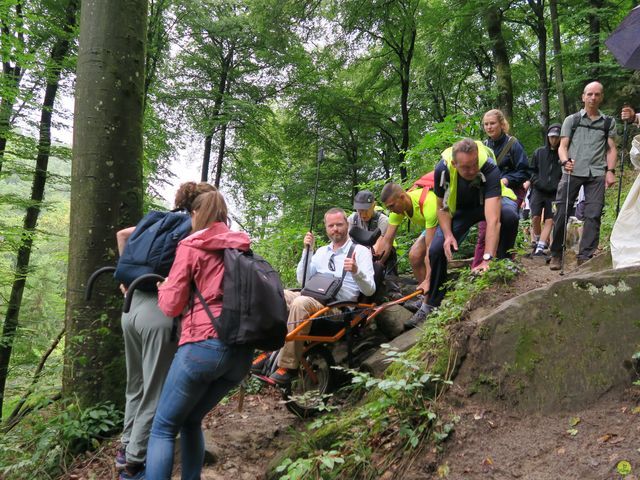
(430, 208)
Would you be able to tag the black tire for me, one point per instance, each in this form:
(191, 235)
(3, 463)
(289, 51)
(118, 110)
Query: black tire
(304, 396)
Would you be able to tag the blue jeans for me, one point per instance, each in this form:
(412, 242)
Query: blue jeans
(200, 376)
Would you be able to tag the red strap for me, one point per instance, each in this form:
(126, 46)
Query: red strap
(423, 197)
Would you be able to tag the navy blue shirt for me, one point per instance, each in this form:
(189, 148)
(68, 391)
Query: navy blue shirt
(514, 166)
(470, 193)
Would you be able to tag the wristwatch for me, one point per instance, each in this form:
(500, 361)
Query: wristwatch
(487, 257)
(612, 170)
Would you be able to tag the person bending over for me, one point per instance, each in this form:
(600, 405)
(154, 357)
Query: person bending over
(469, 190)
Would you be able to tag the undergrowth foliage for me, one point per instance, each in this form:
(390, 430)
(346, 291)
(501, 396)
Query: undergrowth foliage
(399, 414)
(43, 444)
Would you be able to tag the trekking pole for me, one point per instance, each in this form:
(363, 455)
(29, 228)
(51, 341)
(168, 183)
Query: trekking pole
(625, 138)
(313, 212)
(566, 225)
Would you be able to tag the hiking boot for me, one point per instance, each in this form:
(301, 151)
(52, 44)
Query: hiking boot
(133, 471)
(284, 376)
(556, 263)
(413, 305)
(121, 457)
(257, 366)
(417, 318)
(539, 255)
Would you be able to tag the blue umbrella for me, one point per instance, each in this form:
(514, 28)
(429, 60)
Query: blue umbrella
(624, 42)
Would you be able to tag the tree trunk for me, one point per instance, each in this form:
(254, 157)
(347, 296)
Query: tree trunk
(10, 81)
(206, 158)
(540, 29)
(106, 189)
(221, 149)
(557, 59)
(225, 65)
(58, 54)
(501, 61)
(594, 38)
(157, 40)
(405, 83)
(6, 107)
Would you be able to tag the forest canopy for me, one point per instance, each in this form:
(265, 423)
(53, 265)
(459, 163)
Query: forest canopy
(250, 91)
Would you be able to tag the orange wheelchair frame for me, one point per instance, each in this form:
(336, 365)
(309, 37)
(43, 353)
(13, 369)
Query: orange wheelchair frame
(305, 395)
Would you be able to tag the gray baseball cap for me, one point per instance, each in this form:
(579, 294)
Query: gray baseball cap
(363, 200)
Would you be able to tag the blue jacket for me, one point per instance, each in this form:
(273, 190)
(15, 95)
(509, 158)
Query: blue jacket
(514, 166)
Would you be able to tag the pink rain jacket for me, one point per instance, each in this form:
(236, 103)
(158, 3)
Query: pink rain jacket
(199, 257)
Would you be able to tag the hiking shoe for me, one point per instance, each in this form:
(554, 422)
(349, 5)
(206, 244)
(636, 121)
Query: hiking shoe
(413, 305)
(283, 376)
(133, 471)
(417, 319)
(556, 263)
(257, 366)
(539, 255)
(121, 457)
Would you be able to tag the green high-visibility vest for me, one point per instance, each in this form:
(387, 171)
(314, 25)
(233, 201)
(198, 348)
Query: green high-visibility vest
(451, 187)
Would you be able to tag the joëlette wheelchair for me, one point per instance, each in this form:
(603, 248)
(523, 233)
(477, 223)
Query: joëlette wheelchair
(335, 339)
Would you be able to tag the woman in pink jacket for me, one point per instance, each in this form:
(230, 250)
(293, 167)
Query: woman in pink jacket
(204, 369)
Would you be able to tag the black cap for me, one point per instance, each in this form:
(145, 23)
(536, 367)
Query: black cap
(363, 200)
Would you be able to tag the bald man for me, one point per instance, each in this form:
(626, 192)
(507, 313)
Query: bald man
(588, 156)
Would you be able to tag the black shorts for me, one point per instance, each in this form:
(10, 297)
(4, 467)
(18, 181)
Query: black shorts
(541, 201)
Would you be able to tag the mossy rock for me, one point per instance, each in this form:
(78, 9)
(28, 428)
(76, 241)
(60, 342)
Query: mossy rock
(558, 347)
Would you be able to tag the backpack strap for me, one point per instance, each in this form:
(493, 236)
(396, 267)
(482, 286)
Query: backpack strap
(576, 123)
(373, 223)
(576, 117)
(204, 304)
(607, 126)
(423, 198)
(505, 150)
(349, 253)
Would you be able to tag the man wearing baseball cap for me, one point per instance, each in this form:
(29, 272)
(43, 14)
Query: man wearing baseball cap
(368, 217)
(546, 172)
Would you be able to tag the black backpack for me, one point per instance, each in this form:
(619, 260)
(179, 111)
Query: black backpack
(575, 123)
(254, 311)
(151, 248)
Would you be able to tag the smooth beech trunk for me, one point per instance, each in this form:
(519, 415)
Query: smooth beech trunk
(106, 189)
(557, 59)
(501, 61)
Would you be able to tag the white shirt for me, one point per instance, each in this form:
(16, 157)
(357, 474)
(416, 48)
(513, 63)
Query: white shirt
(352, 285)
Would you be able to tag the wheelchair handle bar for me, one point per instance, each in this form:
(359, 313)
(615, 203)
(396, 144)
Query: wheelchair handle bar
(92, 279)
(142, 278)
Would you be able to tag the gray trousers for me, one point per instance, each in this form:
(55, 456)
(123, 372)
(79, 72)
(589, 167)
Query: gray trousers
(149, 351)
(593, 205)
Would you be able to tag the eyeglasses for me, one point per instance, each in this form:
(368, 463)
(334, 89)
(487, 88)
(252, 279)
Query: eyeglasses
(332, 263)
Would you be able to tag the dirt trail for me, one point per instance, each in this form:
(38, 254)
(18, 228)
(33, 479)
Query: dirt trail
(501, 445)
(486, 444)
(245, 442)
(490, 442)
(239, 445)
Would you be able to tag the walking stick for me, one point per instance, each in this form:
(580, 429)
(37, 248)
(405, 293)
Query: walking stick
(625, 138)
(313, 211)
(566, 224)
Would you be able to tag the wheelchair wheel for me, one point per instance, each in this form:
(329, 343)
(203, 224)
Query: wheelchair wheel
(306, 394)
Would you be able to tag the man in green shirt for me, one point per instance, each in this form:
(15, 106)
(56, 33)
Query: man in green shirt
(423, 214)
(588, 154)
